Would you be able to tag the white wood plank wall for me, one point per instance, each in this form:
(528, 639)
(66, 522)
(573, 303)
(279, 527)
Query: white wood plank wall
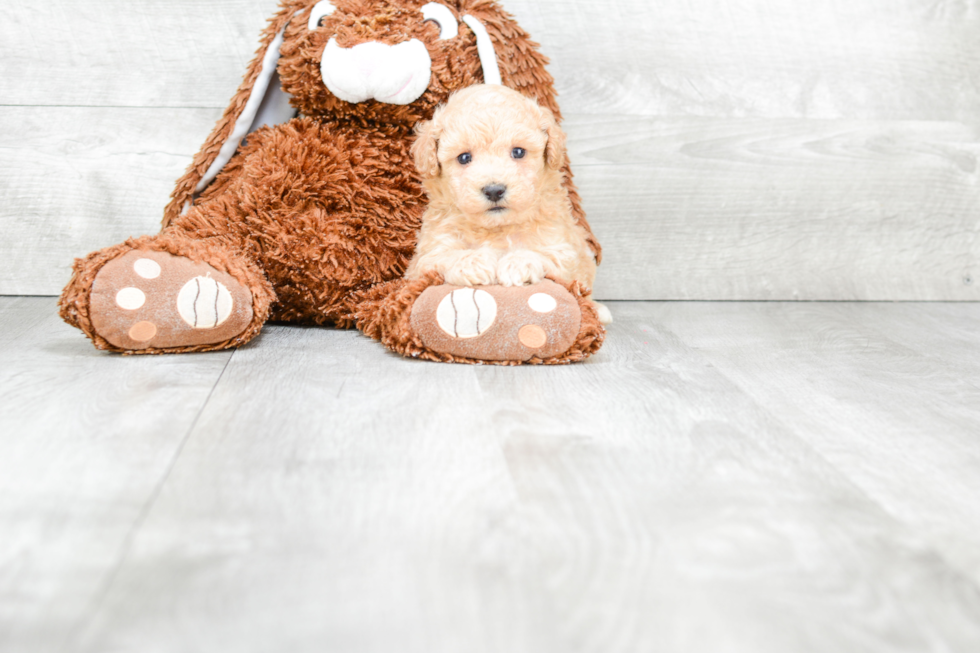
(726, 149)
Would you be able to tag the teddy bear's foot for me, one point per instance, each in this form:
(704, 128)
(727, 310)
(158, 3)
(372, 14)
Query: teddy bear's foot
(548, 323)
(497, 323)
(150, 300)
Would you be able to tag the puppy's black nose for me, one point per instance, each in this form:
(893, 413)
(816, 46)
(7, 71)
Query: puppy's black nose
(494, 192)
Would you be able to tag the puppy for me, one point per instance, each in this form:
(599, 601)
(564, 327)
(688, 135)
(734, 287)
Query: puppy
(491, 162)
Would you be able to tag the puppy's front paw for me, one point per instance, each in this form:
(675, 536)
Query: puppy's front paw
(475, 268)
(522, 267)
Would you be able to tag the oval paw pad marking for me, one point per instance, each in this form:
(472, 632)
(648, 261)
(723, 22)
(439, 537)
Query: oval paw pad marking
(542, 303)
(147, 268)
(143, 331)
(532, 336)
(466, 313)
(204, 303)
(130, 299)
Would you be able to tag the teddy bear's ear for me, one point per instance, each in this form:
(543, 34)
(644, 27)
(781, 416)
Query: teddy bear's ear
(259, 101)
(521, 66)
(425, 149)
(554, 151)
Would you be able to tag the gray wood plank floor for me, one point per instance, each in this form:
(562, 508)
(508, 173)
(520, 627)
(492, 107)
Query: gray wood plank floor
(757, 477)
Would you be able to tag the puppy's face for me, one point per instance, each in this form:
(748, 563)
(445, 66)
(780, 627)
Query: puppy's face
(490, 152)
(492, 168)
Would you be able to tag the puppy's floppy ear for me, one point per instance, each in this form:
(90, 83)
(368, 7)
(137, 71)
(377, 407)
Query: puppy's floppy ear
(425, 149)
(554, 151)
(259, 101)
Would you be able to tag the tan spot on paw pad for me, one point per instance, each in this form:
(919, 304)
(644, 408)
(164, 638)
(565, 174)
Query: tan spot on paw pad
(532, 336)
(143, 331)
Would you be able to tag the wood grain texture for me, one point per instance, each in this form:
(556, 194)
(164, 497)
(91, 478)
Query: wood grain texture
(906, 60)
(739, 477)
(689, 208)
(115, 53)
(884, 385)
(875, 59)
(736, 150)
(781, 209)
(77, 179)
(86, 439)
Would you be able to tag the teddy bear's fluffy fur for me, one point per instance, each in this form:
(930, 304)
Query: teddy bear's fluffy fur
(521, 229)
(312, 213)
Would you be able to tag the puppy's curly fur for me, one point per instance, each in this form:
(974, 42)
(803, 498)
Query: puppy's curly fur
(491, 160)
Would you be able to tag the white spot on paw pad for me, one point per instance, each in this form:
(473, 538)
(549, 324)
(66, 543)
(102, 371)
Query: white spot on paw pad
(204, 303)
(466, 313)
(542, 303)
(147, 268)
(130, 299)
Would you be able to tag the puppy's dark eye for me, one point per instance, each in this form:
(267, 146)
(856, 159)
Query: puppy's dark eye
(464, 158)
(518, 152)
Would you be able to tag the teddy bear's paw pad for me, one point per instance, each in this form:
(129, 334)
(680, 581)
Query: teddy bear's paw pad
(497, 323)
(155, 300)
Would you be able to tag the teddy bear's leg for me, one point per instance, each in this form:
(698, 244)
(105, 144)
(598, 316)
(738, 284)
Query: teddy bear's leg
(547, 322)
(167, 293)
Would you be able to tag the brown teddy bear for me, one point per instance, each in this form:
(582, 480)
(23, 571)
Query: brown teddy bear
(303, 205)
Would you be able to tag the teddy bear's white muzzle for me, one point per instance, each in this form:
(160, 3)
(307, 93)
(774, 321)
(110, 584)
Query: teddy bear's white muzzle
(393, 74)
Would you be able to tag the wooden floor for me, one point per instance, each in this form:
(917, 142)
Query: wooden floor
(730, 477)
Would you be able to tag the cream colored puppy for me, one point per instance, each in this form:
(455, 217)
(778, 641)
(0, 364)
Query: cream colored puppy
(498, 213)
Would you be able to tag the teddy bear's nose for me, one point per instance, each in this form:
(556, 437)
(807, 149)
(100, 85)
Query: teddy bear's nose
(494, 192)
